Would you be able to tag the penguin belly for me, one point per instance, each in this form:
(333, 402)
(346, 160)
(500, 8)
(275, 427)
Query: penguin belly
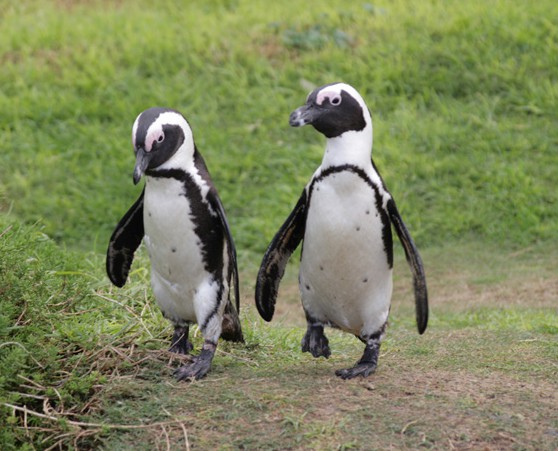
(345, 276)
(178, 274)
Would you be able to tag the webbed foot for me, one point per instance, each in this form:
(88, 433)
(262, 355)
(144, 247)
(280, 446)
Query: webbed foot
(360, 369)
(199, 366)
(315, 342)
(366, 365)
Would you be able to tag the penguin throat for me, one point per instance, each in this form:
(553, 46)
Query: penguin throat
(351, 147)
(183, 158)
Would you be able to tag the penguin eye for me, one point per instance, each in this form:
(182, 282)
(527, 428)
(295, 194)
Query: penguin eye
(161, 138)
(336, 100)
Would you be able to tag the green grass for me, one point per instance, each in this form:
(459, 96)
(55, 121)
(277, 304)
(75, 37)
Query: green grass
(463, 96)
(84, 364)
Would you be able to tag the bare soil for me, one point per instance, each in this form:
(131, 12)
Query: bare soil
(462, 387)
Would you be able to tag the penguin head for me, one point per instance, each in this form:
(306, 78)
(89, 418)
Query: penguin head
(157, 135)
(333, 109)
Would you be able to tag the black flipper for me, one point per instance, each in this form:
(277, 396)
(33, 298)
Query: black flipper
(231, 328)
(124, 241)
(415, 262)
(215, 202)
(276, 257)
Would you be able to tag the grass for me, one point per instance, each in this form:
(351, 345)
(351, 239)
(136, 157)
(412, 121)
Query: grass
(463, 96)
(87, 366)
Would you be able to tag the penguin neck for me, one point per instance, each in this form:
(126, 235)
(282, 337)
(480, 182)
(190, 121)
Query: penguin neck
(183, 158)
(352, 147)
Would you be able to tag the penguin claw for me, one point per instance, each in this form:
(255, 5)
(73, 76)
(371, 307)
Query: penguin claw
(196, 369)
(315, 342)
(367, 363)
(360, 369)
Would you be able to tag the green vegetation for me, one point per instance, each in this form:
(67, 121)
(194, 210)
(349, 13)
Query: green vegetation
(463, 96)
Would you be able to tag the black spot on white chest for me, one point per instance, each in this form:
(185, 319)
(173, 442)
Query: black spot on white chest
(338, 212)
(346, 215)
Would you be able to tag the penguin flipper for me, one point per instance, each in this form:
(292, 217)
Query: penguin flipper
(276, 257)
(124, 241)
(415, 262)
(216, 204)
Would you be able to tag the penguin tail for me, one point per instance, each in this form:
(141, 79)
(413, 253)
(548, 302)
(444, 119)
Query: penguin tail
(230, 328)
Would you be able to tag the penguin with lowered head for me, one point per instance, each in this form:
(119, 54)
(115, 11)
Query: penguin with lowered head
(182, 223)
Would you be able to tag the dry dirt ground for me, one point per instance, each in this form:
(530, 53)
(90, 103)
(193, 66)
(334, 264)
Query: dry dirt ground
(471, 382)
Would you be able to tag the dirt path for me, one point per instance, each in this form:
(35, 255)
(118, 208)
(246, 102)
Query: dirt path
(484, 376)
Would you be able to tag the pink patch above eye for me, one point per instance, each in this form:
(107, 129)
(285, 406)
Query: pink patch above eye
(327, 95)
(151, 139)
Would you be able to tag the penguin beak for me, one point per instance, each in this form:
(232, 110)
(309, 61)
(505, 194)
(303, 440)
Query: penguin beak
(142, 161)
(304, 115)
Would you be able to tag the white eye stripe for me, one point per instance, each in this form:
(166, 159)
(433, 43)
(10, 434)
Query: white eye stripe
(334, 97)
(134, 131)
(154, 135)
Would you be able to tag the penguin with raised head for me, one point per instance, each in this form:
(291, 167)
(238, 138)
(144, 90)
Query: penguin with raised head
(182, 223)
(344, 218)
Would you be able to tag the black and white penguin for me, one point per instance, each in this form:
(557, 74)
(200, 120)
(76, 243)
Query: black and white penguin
(344, 218)
(182, 222)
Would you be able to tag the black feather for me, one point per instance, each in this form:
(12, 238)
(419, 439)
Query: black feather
(415, 263)
(276, 257)
(124, 241)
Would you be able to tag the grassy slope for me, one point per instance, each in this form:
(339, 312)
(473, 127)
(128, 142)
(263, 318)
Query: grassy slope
(463, 96)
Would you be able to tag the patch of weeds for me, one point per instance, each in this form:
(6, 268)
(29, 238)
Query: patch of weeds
(292, 421)
(58, 353)
(316, 37)
(518, 319)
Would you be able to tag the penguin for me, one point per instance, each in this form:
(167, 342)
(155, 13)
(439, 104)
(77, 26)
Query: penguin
(344, 219)
(182, 223)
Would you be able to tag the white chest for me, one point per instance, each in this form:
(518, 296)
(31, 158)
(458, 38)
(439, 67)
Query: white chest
(169, 230)
(345, 276)
(177, 266)
(343, 222)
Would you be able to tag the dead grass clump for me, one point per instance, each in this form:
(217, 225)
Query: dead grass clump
(49, 411)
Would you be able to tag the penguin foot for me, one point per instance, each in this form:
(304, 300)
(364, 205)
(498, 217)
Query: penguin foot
(315, 342)
(180, 343)
(199, 366)
(360, 369)
(367, 363)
